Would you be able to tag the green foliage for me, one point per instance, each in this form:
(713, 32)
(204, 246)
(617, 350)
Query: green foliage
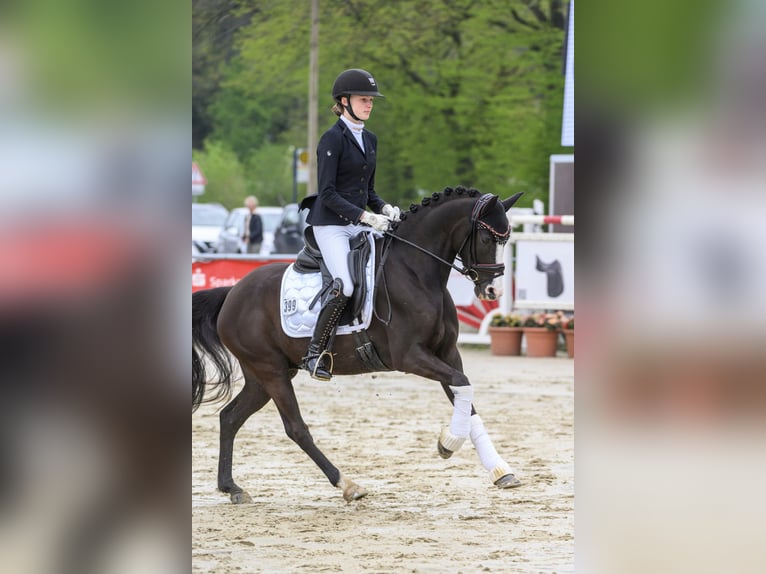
(270, 174)
(473, 91)
(512, 320)
(267, 174)
(226, 182)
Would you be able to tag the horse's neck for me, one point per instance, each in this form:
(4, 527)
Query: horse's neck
(436, 231)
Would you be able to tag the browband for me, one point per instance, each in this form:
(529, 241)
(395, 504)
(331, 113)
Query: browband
(478, 210)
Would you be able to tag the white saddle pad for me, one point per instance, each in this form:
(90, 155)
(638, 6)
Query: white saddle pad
(298, 291)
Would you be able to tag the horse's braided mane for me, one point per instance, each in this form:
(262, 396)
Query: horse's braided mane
(435, 198)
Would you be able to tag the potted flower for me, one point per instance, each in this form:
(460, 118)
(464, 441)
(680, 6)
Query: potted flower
(505, 334)
(567, 327)
(541, 331)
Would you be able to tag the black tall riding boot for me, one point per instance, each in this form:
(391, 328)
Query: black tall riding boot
(318, 360)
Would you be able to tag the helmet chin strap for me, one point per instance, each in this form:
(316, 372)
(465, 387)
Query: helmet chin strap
(350, 110)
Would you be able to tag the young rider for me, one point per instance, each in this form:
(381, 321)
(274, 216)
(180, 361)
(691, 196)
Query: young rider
(346, 187)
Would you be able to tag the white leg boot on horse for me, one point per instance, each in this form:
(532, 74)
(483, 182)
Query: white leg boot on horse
(453, 437)
(318, 360)
(500, 473)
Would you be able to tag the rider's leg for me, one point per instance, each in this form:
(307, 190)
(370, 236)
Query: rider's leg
(333, 243)
(318, 359)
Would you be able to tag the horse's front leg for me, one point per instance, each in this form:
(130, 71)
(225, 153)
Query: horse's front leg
(500, 472)
(423, 362)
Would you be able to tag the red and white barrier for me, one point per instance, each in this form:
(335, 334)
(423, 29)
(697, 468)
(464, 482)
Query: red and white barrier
(542, 219)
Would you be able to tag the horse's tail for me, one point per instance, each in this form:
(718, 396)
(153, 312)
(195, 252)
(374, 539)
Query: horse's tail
(206, 305)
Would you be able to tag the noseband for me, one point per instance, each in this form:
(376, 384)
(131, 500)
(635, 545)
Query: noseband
(474, 271)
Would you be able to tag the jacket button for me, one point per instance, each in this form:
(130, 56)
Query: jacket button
(364, 166)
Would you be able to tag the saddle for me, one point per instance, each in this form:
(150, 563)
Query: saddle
(554, 276)
(310, 260)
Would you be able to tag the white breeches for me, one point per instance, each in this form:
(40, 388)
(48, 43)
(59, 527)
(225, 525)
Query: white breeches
(333, 243)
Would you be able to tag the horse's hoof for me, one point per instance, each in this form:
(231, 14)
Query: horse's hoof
(507, 481)
(355, 493)
(448, 443)
(351, 490)
(240, 498)
(443, 452)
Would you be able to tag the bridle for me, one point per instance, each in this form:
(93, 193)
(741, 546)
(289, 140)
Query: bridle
(470, 269)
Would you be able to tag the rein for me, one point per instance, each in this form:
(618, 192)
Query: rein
(462, 271)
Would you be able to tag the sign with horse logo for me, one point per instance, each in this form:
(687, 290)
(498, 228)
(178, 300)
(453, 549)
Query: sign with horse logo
(545, 273)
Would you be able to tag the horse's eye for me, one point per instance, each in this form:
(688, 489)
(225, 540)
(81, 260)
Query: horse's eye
(486, 236)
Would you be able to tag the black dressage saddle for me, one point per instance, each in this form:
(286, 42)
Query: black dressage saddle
(555, 278)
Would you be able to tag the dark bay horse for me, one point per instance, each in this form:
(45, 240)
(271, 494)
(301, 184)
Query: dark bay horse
(414, 330)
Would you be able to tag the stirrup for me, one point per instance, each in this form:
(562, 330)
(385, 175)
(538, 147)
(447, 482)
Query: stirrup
(318, 361)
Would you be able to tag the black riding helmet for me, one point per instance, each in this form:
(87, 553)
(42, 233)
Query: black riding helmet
(355, 82)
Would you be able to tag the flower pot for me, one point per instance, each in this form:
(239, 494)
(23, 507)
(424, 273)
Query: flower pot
(505, 340)
(569, 336)
(541, 342)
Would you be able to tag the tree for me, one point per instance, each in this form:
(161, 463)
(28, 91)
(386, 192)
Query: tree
(215, 24)
(473, 89)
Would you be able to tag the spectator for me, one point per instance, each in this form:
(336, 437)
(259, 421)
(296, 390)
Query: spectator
(253, 236)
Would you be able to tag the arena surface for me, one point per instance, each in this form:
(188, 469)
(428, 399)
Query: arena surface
(423, 514)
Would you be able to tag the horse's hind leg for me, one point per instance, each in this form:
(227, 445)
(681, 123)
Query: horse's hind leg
(500, 472)
(299, 433)
(250, 399)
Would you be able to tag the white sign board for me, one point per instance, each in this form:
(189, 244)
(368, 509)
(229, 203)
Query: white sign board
(545, 273)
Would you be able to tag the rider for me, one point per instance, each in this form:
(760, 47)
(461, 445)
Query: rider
(346, 186)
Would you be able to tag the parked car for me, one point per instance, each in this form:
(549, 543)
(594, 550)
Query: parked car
(288, 237)
(207, 222)
(230, 237)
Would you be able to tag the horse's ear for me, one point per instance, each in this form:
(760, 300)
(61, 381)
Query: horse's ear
(490, 203)
(508, 203)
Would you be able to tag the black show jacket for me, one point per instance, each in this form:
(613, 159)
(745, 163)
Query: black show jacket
(346, 178)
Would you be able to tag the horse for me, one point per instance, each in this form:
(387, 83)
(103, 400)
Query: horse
(414, 330)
